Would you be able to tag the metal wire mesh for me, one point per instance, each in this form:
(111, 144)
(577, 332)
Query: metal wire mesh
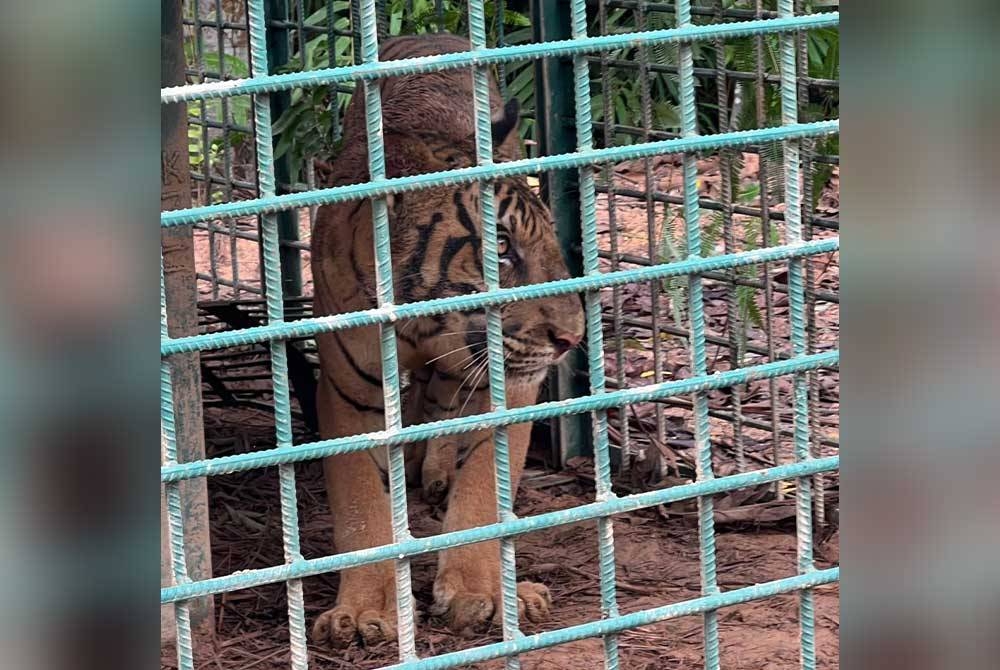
(235, 208)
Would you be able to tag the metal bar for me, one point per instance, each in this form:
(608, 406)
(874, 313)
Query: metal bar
(238, 285)
(278, 52)
(699, 359)
(710, 73)
(414, 433)
(651, 236)
(392, 313)
(416, 547)
(506, 169)
(175, 513)
(765, 233)
(331, 51)
(734, 323)
(551, 21)
(669, 8)
(504, 487)
(595, 337)
(270, 233)
(252, 237)
(708, 203)
(824, 296)
(808, 154)
(186, 548)
(451, 61)
(726, 416)
(618, 624)
(667, 135)
(229, 25)
(370, 29)
(797, 315)
(607, 94)
(227, 162)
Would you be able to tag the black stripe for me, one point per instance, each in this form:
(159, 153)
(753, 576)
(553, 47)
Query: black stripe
(360, 276)
(504, 204)
(451, 248)
(413, 272)
(464, 456)
(360, 407)
(368, 377)
(463, 214)
(437, 403)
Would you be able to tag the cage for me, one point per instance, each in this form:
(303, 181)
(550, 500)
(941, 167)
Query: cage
(680, 493)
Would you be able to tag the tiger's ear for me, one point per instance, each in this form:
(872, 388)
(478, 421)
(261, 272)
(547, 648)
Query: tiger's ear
(505, 126)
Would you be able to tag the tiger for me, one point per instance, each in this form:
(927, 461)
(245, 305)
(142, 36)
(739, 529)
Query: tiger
(436, 241)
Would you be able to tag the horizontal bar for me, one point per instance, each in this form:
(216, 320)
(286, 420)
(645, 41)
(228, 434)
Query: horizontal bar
(316, 566)
(715, 205)
(489, 56)
(632, 259)
(222, 281)
(341, 445)
(264, 205)
(250, 237)
(745, 418)
(620, 623)
(712, 73)
(669, 8)
(475, 301)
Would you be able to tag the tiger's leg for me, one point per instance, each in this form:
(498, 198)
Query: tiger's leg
(350, 402)
(467, 587)
(447, 398)
(414, 412)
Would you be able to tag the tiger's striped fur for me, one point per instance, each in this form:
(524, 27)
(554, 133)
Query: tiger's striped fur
(436, 253)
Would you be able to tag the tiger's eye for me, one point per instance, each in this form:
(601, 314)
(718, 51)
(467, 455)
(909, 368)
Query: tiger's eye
(503, 245)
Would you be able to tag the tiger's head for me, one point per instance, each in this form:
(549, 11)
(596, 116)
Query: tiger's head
(437, 253)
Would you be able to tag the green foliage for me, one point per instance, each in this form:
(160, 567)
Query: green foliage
(673, 248)
(205, 156)
(309, 127)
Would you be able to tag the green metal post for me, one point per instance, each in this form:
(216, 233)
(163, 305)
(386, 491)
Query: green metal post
(288, 222)
(555, 121)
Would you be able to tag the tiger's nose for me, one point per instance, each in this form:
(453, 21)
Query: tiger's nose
(563, 341)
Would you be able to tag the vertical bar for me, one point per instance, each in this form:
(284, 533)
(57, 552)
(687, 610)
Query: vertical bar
(175, 513)
(390, 367)
(494, 334)
(501, 41)
(651, 237)
(227, 163)
(181, 407)
(765, 228)
(287, 221)
(699, 363)
(595, 334)
(554, 116)
(331, 55)
(796, 301)
(807, 150)
(355, 14)
(270, 241)
(729, 240)
(206, 166)
(607, 95)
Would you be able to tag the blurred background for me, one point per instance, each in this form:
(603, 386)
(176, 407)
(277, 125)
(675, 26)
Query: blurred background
(79, 531)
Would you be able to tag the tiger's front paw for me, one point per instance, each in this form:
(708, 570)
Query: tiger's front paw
(468, 612)
(341, 626)
(434, 486)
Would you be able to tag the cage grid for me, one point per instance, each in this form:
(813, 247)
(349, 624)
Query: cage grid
(267, 336)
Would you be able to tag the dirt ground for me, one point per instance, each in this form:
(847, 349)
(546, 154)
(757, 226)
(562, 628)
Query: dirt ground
(656, 549)
(657, 564)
